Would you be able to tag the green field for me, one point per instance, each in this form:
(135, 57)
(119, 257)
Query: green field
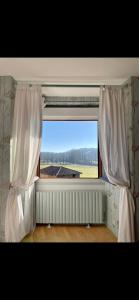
(87, 171)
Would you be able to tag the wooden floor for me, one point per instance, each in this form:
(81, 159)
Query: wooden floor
(70, 233)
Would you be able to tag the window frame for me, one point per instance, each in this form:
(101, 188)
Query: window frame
(99, 157)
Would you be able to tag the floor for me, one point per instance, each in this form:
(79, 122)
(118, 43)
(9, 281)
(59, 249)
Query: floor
(70, 233)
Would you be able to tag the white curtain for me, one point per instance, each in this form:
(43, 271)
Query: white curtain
(114, 154)
(25, 150)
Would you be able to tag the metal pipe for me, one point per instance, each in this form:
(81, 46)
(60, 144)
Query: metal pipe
(62, 85)
(70, 85)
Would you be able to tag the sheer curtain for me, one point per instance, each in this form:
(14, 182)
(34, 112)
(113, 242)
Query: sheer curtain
(25, 150)
(114, 154)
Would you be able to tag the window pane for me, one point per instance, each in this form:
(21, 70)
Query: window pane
(69, 149)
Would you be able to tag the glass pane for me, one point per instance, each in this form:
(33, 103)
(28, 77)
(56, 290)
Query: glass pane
(69, 149)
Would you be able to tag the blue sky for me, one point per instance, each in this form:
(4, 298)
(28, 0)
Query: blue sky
(60, 136)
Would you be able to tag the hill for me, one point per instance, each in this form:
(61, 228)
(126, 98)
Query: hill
(83, 156)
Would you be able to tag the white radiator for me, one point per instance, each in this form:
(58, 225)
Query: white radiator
(70, 207)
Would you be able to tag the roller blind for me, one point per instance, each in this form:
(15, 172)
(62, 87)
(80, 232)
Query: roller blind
(70, 101)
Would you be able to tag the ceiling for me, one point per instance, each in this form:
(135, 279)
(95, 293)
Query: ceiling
(70, 70)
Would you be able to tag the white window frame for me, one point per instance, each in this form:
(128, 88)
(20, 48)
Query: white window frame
(71, 114)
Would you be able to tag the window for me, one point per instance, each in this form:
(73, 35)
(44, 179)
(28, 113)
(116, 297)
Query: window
(69, 149)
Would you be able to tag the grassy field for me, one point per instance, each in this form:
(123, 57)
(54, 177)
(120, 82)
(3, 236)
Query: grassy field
(87, 171)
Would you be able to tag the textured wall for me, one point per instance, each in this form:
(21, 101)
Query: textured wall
(132, 117)
(7, 92)
(112, 215)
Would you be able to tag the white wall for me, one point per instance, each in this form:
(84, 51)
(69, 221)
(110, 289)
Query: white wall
(71, 91)
(71, 70)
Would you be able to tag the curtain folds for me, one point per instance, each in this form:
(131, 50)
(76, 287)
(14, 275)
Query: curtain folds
(114, 154)
(25, 151)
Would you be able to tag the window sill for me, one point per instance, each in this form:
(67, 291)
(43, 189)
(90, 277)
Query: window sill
(107, 181)
(62, 181)
(69, 184)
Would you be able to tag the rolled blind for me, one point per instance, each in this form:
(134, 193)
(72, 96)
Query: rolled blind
(70, 101)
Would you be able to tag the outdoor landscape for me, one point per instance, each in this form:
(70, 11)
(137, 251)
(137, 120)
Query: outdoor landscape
(69, 149)
(84, 160)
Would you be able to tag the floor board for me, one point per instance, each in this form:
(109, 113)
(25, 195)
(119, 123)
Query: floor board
(70, 233)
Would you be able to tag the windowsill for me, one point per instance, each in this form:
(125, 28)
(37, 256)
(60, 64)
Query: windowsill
(106, 180)
(70, 181)
(69, 184)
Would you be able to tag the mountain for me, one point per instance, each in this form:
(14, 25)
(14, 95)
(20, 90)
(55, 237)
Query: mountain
(88, 156)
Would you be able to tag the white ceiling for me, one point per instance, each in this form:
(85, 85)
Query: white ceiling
(70, 70)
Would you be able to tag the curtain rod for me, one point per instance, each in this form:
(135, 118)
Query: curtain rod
(69, 85)
(62, 85)
(83, 85)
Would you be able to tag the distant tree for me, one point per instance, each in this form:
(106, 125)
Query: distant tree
(87, 156)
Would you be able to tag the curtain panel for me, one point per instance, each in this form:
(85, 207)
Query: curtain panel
(25, 151)
(113, 137)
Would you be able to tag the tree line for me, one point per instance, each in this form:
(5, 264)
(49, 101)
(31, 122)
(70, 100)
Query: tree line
(83, 156)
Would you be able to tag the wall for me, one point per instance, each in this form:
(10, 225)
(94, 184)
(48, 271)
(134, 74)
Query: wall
(6, 112)
(132, 116)
(7, 93)
(112, 209)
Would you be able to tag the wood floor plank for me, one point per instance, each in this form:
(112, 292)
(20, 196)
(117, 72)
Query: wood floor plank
(70, 233)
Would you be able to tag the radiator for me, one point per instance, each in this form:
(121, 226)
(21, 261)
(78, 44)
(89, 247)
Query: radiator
(70, 207)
